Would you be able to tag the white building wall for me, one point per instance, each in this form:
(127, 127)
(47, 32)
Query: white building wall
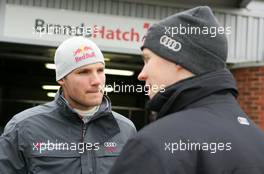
(246, 43)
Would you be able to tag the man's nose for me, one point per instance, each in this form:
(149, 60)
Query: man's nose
(142, 75)
(95, 79)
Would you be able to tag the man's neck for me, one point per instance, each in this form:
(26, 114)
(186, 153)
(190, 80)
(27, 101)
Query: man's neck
(87, 113)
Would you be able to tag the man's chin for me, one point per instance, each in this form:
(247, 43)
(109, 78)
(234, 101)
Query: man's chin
(95, 101)
(90, 104)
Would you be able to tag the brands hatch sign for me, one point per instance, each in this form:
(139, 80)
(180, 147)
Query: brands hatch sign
(44, 26)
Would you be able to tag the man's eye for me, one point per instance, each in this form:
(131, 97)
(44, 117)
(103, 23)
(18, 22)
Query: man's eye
(81, 72)
(100, 70)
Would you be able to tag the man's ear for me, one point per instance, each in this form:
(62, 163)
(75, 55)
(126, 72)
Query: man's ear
(178, 67)
(183, 70)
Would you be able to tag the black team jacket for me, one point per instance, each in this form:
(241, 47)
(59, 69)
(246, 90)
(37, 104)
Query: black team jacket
(201, 129)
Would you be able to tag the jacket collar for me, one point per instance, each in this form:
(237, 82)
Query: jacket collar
(103, 122)
(105, 106)
(185, 92)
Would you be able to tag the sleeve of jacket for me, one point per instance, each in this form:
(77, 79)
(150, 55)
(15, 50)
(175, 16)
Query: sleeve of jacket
(138, 158)
(11, 158)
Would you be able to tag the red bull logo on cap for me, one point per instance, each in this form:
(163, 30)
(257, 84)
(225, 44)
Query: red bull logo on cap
(83, 52)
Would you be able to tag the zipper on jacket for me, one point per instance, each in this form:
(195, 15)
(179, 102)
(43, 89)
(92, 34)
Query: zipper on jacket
(84, 128)
(93, 161)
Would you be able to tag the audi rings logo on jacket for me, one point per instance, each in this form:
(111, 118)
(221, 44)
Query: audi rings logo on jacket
(110, 144)
(170, 43)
